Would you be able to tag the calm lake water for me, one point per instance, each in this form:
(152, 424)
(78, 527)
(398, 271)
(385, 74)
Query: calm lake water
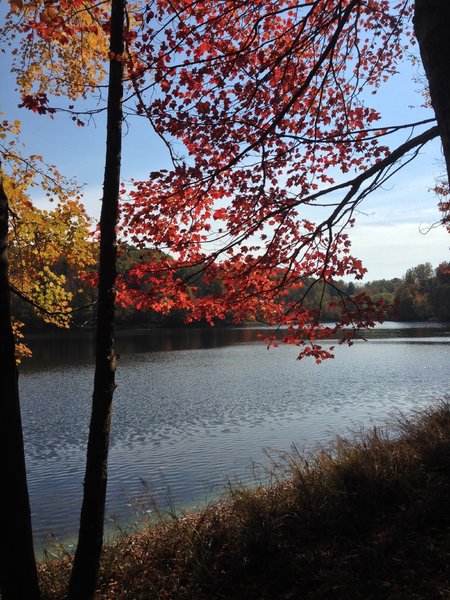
(196, 407)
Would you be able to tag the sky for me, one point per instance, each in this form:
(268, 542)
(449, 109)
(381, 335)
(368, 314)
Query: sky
(393, 232)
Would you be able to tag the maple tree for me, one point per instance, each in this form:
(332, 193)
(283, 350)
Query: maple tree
(83, 580)
(271, 103)
(57, 34)
(40, 238)
(15, 517)
(35, 240)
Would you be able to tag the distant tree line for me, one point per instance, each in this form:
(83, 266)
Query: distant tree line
(422, 294)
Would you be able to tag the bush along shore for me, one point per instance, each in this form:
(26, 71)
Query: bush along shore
(365, 518)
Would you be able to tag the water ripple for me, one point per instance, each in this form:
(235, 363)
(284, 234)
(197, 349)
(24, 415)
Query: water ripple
(185, 420)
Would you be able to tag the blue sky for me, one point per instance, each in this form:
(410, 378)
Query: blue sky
(389, 235)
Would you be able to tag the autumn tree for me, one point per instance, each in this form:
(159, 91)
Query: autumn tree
(58, 31)
(36, 241)
(430, 23)
(421, 275)
(84, 575)
(41, 238)
(272, 106)
(18, 576)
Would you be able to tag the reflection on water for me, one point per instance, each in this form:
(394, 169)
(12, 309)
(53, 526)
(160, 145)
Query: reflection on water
(70, 347)
(195, 406)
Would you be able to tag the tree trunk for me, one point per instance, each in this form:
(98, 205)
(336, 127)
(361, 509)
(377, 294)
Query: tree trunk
(84, 575)
(18, 576)
(431, 24)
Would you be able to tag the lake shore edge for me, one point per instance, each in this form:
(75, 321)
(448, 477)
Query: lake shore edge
(366, 517)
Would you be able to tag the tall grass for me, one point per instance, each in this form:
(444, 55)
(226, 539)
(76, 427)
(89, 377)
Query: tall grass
(366, 517)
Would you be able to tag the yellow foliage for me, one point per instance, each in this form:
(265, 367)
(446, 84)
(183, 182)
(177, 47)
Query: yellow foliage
(65, 49)
(60, 49)
(22, 350)
(43, 242)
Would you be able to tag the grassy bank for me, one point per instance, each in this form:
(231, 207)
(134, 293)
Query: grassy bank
(366, 518)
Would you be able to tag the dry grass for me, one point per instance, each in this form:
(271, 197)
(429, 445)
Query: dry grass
(366, 518)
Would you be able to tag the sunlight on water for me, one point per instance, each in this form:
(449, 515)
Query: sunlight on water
(203, 405)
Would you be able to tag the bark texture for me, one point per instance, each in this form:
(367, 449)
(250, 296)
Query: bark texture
(432, 26)
(84, 575)
(18, 576)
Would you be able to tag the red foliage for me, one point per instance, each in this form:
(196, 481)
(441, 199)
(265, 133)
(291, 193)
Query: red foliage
(37, 103)
(443, 191)
(266, 99)
(270, 103)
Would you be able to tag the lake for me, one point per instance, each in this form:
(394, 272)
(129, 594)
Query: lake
(195, 408)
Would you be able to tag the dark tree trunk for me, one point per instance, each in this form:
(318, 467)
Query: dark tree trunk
(18, 576)
(431, 24)
(84, 576)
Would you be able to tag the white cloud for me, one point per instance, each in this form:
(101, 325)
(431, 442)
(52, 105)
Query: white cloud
(389, 250)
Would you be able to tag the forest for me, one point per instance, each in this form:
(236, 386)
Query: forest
(422, 294)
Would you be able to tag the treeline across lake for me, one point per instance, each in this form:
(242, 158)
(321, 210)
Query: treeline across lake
(422, 294)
